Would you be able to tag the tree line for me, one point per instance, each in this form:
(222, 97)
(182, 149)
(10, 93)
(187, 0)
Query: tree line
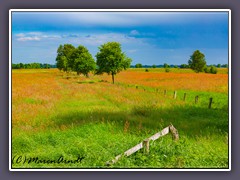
(197, 62)
(182, 66)
(32, 66)
(110, 59)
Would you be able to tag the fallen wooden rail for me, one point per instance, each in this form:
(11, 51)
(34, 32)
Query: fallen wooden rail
(145, 143)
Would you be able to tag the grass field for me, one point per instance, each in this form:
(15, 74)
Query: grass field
(57, 115)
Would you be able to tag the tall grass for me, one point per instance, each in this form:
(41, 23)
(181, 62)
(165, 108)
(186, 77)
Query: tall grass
(53, 116)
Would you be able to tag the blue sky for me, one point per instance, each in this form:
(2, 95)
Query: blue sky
(146, 37)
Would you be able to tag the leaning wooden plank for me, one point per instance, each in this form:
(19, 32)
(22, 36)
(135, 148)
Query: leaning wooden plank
(133, 149)
(114, 160)
(139, 146)
(159, 134)
(126, 153)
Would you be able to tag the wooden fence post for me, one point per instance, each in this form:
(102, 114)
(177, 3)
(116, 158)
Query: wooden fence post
(210, 103)
(175, 95)
(184, 97)
(196, 99)
(174, 132)
(165, 92)
(146, 146)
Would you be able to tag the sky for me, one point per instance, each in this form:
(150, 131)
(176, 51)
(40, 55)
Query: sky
(146, 37)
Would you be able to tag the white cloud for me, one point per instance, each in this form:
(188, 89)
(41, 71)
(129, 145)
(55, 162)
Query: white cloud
(28, 39)
(34, 36)
(132, 50)
(34, 33)
(20, 35)
(134, 33)
(131, 19)
(99, 39)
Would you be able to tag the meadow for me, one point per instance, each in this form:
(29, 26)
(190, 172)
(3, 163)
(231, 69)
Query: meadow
(55, 114)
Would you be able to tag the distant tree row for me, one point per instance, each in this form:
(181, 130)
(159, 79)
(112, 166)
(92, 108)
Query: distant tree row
(196, 62)
(32, 66)
(110, 59)
(139, 65)
(182, 66)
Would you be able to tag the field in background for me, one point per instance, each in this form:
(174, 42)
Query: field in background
(54, 114)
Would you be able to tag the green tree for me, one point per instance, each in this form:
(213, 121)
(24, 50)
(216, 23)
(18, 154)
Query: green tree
(21, 65)
(183, 66)
(82, 61)
(197, 61)
(154, 66)
(63, 57)
(138, 65)
(224, 65)
(213, 70)
(111, 59)
(165, 65)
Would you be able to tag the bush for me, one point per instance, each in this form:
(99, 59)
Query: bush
(167, 70)
(146, 70)
(213, 70)
(206, 69)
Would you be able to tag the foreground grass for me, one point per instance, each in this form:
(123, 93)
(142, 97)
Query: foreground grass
(97, 120)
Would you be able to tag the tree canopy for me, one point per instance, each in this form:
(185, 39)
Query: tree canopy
(165, 65)
(111, 59)
(197, 61)
(63, 57)
(82, 61)
(138, 65)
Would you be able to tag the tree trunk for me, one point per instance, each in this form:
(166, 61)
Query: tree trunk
(113, 78)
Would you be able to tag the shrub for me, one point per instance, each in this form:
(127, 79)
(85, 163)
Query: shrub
(206, 69)
(213, 70)
(167, 70)
(146, 70)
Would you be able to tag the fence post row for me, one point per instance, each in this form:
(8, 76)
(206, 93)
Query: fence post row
(184, 96)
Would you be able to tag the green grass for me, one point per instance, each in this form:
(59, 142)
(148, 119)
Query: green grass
(98, 121)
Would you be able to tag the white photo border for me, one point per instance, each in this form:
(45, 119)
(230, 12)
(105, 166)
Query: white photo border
(117, 10)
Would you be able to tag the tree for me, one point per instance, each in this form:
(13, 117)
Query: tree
(213, 70)
(165, 65)
(82, 61)
(154, 66)
(197, 61)
(138, 65)
(183, 66)
(111, 59)
(21, 65)
(63, 57)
